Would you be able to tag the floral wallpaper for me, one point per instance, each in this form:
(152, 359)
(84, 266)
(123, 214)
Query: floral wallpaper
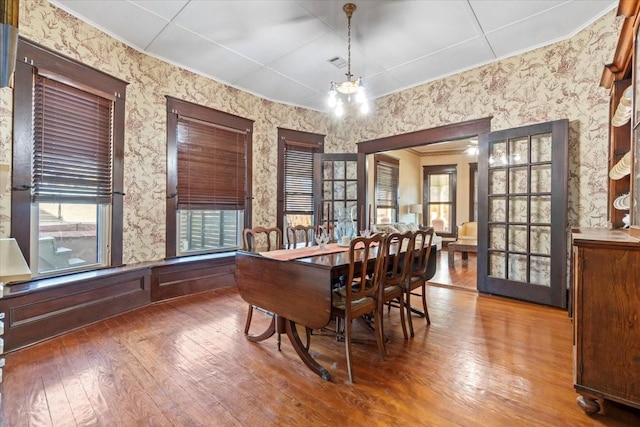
(550, 83)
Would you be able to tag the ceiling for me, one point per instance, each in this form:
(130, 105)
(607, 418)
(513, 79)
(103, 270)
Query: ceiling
(280, 50)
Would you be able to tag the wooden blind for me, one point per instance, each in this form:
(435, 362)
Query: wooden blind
(72, 155)
(211, 166)
(298, 179)
(387, 177)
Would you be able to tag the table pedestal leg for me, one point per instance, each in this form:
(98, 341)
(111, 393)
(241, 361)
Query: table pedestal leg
(303, 353)
(268, 333)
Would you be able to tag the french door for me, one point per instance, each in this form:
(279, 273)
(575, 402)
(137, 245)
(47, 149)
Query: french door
(339, 191)
(522, 213)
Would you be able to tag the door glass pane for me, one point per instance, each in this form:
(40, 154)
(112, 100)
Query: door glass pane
(540, 271)
(540, 239)
(541, 179)
(518, 178)
(339, 170)
(338, 190)
(497, 181)
(327, 170)
(497, 265)
(519, 151)
(498, 154)
(518, 209)
(352, 169)
(541, 148)
(541, 209)
(518, 267)
(352, 190)
(518, 238)
(327, 191)
(497, 237)
(497, 208)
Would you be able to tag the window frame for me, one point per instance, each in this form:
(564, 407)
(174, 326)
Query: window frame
(37, 59)
(308, 140)
(394, 164)
(177, 107)
(452, 171)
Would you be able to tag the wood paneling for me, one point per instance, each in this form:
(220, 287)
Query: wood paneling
(184, 277)
(43, 313)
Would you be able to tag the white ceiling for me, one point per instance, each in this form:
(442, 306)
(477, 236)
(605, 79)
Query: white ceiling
(280, 50)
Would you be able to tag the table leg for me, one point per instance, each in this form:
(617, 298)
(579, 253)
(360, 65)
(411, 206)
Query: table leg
(465, 255)
(451, 255)
(303, 353)
(268, 333)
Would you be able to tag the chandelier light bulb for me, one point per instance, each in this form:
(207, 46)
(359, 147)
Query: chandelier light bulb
(332, 98)
(339, 109)
(364, 107)
(361, 95)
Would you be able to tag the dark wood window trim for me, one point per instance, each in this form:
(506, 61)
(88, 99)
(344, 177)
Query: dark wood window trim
(304, 140)
(176, 107)
(38, 60)
(441, 169)
(473, 170)
(393, 164)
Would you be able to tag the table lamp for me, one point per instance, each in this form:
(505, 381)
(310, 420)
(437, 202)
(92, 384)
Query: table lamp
(416, 210)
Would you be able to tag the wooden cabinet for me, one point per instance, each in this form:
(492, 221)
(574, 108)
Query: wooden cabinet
(606, 318)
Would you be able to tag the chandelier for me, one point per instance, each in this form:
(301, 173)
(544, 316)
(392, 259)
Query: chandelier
(343, 92)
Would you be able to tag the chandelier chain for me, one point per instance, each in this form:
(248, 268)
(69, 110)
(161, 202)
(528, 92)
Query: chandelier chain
(349, 75)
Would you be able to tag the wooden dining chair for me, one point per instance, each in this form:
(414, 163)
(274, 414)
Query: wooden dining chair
(300, 233)
(398, 257)
(423, 239)
(260, 239)
(359, 293)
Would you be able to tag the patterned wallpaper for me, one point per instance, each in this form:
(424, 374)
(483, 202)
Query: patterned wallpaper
(555, 82)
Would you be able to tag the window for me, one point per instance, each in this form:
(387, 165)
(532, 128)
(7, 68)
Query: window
(208, 179)
(440, 198)
(295, 177)
(386, 177)
(67, 176)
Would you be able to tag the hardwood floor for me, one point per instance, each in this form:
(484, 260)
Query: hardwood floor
(484, 361)
(461, 275)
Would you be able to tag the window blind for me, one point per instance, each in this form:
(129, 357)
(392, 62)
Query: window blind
(72, 144)
(387, 174)
(211, 166)
(298, 179)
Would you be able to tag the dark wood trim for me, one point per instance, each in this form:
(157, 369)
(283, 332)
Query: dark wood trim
(43, 308)
(306, 139)
(36, 59)
(428, 136)
(46, 311)
(176, 107)
(453, 182)
(171, 280)
(473, 168)
(620, 67)
(22, 154)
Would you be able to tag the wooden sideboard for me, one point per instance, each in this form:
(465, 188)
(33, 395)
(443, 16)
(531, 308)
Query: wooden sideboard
(606, 318)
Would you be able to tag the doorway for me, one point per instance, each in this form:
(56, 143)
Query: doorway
(463, 274)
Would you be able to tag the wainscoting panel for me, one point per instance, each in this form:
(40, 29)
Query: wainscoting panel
(43, 313)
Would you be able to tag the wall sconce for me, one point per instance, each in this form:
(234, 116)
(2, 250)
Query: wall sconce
(8, 39)
(416, 210)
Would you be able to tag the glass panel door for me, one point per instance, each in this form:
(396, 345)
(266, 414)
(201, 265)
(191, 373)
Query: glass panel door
(339, 201)
(522, 232)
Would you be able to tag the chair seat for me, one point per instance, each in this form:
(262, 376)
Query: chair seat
(340, 302)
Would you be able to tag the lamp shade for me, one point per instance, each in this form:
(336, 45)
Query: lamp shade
(415, 209)
(13, 266)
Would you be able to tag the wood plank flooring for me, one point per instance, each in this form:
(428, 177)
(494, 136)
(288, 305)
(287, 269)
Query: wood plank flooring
(462, 275)
(484, 361)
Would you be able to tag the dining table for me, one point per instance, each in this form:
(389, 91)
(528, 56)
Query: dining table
(296, 286)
